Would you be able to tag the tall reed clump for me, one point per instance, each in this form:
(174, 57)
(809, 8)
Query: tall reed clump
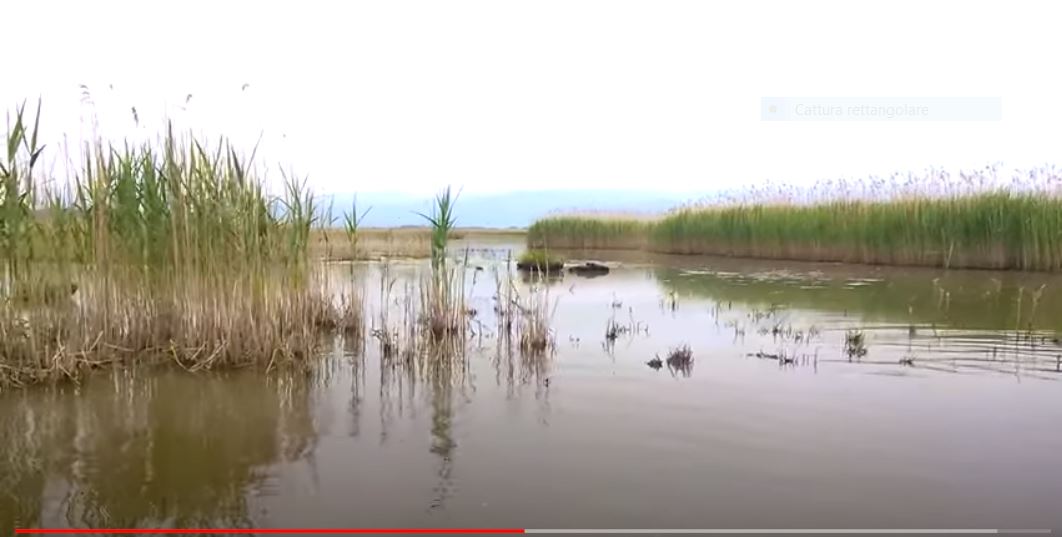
(589, 232)
(162, 250)
(443, 297)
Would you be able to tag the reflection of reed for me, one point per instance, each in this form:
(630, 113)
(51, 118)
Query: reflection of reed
(412, 354)
(296, 432)
(357, 388)
(150, 450)
(442, 439)
(28, 429)
(973, 300)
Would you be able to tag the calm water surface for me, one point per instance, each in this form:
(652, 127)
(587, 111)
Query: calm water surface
(947, 414)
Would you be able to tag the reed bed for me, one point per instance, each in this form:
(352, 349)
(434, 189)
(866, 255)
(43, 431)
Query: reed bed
(1018, 226)
(998, 230)
(171, 250)
(589, 232)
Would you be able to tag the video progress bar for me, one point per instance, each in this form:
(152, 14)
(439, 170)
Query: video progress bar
(820, 531)
(452, 531)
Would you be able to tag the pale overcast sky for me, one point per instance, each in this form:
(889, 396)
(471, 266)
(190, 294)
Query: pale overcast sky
(499, 95)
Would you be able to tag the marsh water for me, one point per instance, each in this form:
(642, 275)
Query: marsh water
(818, 396)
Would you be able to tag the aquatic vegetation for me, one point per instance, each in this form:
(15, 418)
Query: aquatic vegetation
(988, 230)
(443, 305)
(442, 297)
(525, 318)
(351, 225)
(533, 325)
(614, 329)
(425, 319)
(680, 359)
(178, 254)
(442, 221)
(588, 232)
(855, 344)
(540, 261)
(786, 357)
(983, 223)
(382, 330)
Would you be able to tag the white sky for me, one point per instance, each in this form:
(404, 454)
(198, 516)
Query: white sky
(499, 95)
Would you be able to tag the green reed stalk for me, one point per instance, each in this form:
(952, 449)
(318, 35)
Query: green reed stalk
(442, 222)
(351, 223)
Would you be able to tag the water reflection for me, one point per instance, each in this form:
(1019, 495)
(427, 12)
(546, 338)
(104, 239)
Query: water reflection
(957, 299)
(955, 322)
(665, 379)
(132, 449)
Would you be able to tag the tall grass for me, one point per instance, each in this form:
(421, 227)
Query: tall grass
(176, 249)
(998, 228)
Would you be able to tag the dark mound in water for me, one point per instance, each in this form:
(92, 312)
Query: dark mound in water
(590, 269)
(533, 266)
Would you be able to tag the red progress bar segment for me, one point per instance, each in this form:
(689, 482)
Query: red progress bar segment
(332, 531)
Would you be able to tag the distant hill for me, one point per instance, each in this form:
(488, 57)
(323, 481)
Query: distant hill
(510, 209)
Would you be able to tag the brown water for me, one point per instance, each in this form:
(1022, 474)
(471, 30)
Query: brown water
(966, 432)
